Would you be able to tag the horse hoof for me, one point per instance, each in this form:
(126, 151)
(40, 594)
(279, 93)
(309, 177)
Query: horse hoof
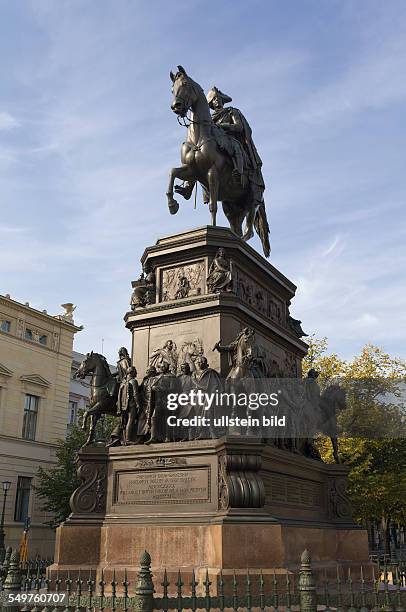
(173, 207)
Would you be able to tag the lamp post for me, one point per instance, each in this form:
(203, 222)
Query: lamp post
(6, 485)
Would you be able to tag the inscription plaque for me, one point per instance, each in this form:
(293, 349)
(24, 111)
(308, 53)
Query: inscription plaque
(164, 486)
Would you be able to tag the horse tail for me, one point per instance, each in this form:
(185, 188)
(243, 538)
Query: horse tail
(262, 228)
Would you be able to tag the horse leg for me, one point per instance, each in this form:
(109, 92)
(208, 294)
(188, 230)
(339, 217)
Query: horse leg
(90, 436)
(85, 417)
(213, 181)
(183, 173)
(92, 413)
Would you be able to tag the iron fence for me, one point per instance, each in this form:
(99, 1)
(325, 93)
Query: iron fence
(369, 589)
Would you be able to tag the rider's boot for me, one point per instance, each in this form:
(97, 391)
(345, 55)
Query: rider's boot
(186, 189)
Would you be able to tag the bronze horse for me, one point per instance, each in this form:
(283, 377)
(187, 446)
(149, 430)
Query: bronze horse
(103, 393)
(204, 161)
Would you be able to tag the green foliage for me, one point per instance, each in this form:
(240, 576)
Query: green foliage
(374, 422)
(55, 485)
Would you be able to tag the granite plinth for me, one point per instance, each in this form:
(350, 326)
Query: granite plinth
(259, 297)
(223, 504)
(218, 504)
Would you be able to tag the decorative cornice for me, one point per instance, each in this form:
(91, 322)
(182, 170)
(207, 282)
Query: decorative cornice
(214, 303)
(214, 237)
(35, 379)
(4, 371)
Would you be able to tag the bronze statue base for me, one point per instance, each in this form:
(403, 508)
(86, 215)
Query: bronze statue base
(231, 503)
(220, 504)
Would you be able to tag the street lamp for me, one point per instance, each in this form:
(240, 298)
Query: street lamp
(6, 486)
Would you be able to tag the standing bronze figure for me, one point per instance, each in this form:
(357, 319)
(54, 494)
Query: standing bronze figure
(129, 408)
(220, 275)
(221, 156)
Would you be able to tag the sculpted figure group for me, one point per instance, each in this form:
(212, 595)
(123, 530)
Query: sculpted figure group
(141, 408)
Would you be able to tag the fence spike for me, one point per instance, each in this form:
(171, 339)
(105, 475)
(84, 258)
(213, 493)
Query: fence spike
(47, 583)
(90, 585)
(307, 585)
(79, 583)
(235, 593)
(179, 585)
(207, 584)
(221, 591)
(352, 607)
(326, 593)
(144, 589)
(275, 594)
(102, 584)
(375, 586)
(165, 585)
(193, 586)
(262, 592)
(37, 584)
(26, 586)
(387, 607)
(68, 589)
(340, 607)
(113, 591)
(125, 585)
(248, 592)
(399, 606)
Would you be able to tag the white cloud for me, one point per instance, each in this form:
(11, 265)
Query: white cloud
(99, 140)
(8, 122)
(366, 320)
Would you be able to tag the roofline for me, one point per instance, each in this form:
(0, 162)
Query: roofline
(47, 317)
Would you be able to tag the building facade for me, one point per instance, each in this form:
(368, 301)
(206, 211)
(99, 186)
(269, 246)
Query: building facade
(35, 379)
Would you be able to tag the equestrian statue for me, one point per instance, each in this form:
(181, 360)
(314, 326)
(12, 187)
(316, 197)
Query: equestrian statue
(218, 153)
(103, 392)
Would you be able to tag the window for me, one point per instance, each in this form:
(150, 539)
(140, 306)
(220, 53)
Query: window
(22, 499)
(30, 417)
(43, 340)
(28, 334)
(5, 326)
(73, 413)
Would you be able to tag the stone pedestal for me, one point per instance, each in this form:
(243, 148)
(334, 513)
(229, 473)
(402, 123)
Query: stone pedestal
(220, 504)
(259, 297)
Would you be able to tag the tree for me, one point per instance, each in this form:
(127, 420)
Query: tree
(374, 430)
(56, 485)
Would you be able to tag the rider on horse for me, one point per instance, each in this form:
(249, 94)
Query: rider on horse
(233, 122)
(235, 139)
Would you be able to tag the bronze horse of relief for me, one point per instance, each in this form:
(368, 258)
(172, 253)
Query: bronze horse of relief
(220, 155)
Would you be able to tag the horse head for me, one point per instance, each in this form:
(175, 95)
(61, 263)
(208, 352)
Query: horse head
(185, 92)
(87, 366)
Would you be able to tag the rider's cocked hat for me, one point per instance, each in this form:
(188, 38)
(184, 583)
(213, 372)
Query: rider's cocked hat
(215, 92)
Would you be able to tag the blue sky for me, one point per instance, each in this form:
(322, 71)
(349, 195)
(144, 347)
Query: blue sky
(87, 139)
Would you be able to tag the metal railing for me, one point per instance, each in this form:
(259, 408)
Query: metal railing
(360, 590)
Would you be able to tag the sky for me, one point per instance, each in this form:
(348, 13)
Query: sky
(87, 139)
